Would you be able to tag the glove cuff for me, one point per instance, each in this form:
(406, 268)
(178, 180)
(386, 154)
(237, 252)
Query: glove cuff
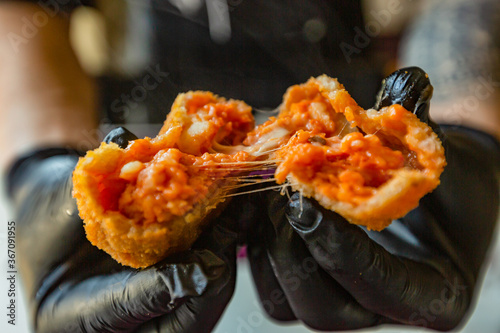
(16, 174)
(479, 143)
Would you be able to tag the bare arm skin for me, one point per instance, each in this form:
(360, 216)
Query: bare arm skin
(45, 97)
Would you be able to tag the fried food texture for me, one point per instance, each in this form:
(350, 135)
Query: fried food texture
(369, 166)
(153, 198)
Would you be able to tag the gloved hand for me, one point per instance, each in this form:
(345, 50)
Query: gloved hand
(312, 265)
(74, 287)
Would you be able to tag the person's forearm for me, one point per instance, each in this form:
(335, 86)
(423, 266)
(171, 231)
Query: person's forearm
(45, 97)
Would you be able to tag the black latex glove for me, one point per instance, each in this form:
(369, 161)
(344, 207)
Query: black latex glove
(312, 265)
(74, 287)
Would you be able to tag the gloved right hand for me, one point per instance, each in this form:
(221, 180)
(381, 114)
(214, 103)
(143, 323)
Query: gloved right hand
(74, 287)
(310, 264)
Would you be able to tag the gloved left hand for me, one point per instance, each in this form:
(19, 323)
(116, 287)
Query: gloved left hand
(310, 264)
(74, 287)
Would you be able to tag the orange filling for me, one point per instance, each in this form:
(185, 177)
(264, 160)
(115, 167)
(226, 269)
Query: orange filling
(348, 169)
(152, 182)
(325, 151)
(306, 109)
(315, 141)
(153, 198)
(211, 119)
(170, 184)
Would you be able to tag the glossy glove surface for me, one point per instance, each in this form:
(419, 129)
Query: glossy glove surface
(74, 287)
(310, 264)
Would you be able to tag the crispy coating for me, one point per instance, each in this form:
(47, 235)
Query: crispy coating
(372, 170)
(153, 198)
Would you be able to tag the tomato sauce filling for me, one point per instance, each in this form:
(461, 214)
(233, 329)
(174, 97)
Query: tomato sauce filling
(306, 109)
(313, 141)
(223, 121)
(326, 152)
(347, 169)
(152, 182)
